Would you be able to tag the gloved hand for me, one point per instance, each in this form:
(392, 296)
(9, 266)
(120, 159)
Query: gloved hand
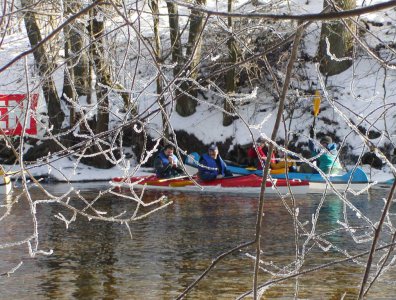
(312, 113)
(219, 176)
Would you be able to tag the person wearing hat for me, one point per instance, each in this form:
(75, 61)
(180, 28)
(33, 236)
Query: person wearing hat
(166, 164)
(212, 166)
(328, 162)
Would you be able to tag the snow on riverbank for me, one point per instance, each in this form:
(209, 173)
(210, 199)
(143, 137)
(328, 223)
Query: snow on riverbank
(67, 170)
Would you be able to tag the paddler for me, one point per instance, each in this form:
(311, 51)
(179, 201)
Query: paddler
(166, 164)
(328, 162)
(259, 161)
(212, 166)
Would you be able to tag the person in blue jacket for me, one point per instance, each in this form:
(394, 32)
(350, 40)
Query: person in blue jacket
(166, 164)
(328, 162)
(212, 166)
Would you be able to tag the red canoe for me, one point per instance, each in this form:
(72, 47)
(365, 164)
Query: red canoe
(241, 184)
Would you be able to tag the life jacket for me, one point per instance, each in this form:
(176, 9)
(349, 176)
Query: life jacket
(263, 158)
(251, 153)
(264, 155)
(327, 162)
(208, 168)
(165, 162)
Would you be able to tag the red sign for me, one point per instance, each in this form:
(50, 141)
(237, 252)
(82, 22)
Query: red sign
(13, 112)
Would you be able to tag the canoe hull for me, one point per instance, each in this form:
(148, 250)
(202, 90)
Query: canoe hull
(354, 176)
(250, 184)
(355, 180)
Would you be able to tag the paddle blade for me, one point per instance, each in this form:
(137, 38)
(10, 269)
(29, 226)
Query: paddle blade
(316, 103)
(181, 183)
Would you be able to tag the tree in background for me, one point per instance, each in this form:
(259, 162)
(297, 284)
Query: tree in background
(159, 60)
(76, 79)
(101, 69)
(45, 67)
(336, 41)
(175, 37)
(230, 76)
(186, 102)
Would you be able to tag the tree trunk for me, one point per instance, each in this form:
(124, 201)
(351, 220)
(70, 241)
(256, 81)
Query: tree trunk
(76, 80)
(102, 71)
(158, 57)
(68, 79)
(177, 55)
(45, 68)
(186, 105)
(340, 42)
(230, 76)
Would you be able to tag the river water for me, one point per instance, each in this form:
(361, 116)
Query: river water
(169, 249)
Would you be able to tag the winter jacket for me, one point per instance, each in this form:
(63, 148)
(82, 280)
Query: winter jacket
(252, 155)
(328, 162)
(163, 168)
(209, 168)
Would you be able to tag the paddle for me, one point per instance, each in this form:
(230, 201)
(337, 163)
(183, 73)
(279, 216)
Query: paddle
(2, 171)
(316, 106)
(172, 178)
(9, 173)
(160, 180)
(234, 164)
(190, 182)
(181, 183)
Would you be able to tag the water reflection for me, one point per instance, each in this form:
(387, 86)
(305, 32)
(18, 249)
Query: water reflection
(99, 260)
(86, 262)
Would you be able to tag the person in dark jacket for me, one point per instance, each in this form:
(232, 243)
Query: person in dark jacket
(212, 166)
(328, 162)
(166, 164)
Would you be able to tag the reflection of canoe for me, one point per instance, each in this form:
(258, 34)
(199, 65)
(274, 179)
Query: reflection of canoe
(249, 184)
(5, 185)
(385, 184)
(389, 182)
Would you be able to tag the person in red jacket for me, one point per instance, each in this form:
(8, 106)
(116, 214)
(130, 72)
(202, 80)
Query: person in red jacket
(262, 149)
(259, 160)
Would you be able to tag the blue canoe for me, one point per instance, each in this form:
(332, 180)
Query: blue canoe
(354, 176)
